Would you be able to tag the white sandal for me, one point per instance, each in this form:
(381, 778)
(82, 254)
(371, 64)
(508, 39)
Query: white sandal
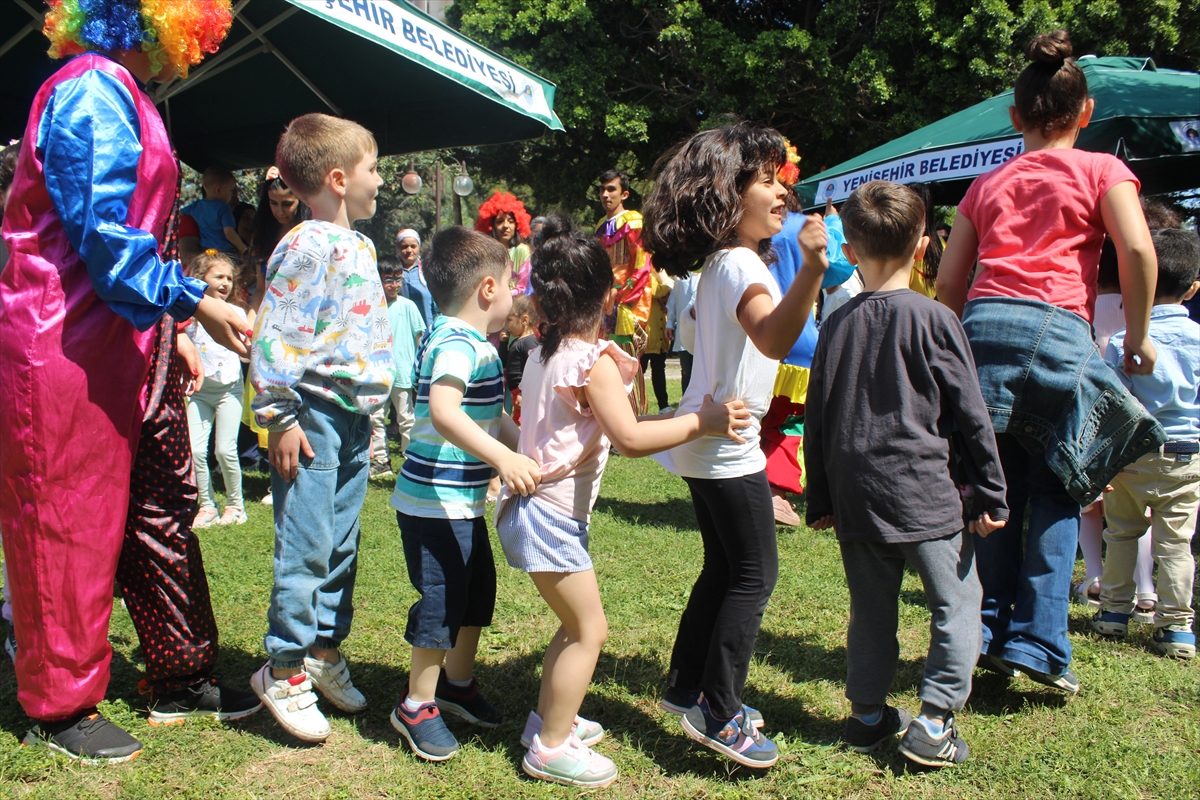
(1084, 596)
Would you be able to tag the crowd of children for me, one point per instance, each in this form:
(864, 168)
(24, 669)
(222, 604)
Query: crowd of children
(927, 431)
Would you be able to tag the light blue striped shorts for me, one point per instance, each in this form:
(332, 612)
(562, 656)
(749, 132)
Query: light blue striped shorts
(536, 537)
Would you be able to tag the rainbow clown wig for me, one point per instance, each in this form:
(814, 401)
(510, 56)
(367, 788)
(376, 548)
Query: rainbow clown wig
(171, 32)
(502, 203)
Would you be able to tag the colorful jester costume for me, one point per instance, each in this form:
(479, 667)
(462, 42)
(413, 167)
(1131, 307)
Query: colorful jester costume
(634, 279)
(96, 479)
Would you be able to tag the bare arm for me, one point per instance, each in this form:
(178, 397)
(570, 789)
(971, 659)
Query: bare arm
(232, 235)
(518, 472)
(1138, 267)
(774, 329)
(605, 395)
(957, 262)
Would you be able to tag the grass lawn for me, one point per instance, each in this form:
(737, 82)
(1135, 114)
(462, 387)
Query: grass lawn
(1133, 730)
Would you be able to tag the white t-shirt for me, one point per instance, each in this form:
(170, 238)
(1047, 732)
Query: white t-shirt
(1108, 319)
(221, 365)
(728, 366)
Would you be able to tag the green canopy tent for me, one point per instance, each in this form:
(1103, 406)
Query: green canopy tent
(1148, 117)
(414, 82)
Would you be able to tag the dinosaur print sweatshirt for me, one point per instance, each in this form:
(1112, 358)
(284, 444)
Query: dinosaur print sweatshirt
(323, 327)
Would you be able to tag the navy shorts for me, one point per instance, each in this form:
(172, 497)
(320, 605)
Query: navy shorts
(450, 564)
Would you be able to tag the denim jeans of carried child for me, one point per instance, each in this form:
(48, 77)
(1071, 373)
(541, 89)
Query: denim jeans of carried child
(316, 534)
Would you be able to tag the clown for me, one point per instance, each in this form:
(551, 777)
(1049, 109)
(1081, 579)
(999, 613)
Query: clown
(504, 217)
(95, 472)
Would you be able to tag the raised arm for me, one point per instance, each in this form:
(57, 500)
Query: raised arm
(774, 329)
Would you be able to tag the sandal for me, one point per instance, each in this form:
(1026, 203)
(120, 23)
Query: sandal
(1087, 593)
(206, 518)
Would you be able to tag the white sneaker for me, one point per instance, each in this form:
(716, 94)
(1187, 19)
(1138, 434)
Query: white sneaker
(587, 731)
(293, 704)
(268, 500)
(333, 681)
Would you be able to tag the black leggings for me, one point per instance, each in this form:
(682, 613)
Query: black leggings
(658, 376)
(741, 563)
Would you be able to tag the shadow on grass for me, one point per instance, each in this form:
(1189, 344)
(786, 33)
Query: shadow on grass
(676, 512)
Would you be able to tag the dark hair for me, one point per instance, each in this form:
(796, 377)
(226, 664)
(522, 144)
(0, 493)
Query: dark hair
(614, 174)
(1178, 252)
(571, 274)
(459, 258)
(696, 203)
(1109, 273)
(1159, 215)
(933, 253)
(240, 210)
(8, 164)
(268, 230)
(1050, 92)
(552, 225)
(882, 219)
(388, 263)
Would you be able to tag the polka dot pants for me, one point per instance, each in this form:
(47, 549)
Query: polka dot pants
(160, 571)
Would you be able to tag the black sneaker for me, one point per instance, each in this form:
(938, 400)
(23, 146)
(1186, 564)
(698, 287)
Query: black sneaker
(864, 738)
(921, 746)
(203, 699)
(994, 664)
(466, 703)
(87, 737)
(1064, 682)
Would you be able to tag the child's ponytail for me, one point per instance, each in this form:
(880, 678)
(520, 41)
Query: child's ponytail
(1050, 93)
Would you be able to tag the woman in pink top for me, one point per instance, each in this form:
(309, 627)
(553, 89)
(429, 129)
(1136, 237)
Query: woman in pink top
(575, 399)
(1064, 424)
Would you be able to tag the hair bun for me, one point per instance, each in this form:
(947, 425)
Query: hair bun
(1053, 48)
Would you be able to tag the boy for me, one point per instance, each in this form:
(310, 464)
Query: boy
(439, 497)
(213, 215)
(321, 363)
(891, 379)
(407, 327)
(1165, 482)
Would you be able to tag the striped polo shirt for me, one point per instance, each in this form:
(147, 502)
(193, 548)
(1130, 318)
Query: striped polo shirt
(438, 479)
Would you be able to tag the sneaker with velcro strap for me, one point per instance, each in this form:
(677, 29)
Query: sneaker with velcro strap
(293, 703)
(945, 750)
(333, 682)
(86, 737)
(736, 738)
(204, 698)
(677, 701)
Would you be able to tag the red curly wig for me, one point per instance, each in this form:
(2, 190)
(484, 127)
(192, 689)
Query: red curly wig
(502, 203)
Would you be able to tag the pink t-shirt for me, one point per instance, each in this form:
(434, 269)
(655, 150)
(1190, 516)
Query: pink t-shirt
(558, 433)
(1039, 225)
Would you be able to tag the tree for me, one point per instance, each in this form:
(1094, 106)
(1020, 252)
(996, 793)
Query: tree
(836, 77)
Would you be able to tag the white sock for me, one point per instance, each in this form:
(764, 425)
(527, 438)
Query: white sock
(412, 705)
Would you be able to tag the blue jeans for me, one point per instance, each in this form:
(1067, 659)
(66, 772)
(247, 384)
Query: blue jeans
(316, 534)
(1027, 584)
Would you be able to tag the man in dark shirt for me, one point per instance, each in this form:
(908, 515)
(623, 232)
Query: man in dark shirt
(892, 379)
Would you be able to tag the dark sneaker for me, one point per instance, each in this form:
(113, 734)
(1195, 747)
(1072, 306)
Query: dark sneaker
(1110, 623)
(425, 731)
(921, 746)
(466, 703)
(1174, 641)
(1064, 682)
(864, 738)
(735, 738)
(993, 664)
(203, 699)
(88, 738)
(380, 471)
(677, 701)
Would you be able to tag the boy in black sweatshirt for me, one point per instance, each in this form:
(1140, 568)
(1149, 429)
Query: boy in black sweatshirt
(891, 380)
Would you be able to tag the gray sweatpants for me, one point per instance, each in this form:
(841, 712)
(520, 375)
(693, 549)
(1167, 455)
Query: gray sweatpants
(874, 571)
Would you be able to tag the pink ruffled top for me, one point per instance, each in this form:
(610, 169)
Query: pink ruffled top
(559, 433)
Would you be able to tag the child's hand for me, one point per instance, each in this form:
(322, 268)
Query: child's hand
(823, 524)
(813, 239)
(519, 473)
(193, 367)
(985, 525)
(223, 323)
(723, 419)
(1140, 357)
(284, 448)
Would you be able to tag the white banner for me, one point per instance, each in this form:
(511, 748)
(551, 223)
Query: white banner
(942, 165)
(440, 48)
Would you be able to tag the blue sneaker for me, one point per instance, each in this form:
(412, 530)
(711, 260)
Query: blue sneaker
(735, 738)
(677, 701)
(1110, 623)
(425, 730)
(1175, 641)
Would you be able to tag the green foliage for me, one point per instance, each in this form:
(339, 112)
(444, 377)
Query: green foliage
(837, 77)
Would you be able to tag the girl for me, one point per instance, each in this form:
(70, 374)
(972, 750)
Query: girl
(521, 340)
(1064, 424)
(217, 404)
(576, 390)
(716, 204)
(504, 217)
